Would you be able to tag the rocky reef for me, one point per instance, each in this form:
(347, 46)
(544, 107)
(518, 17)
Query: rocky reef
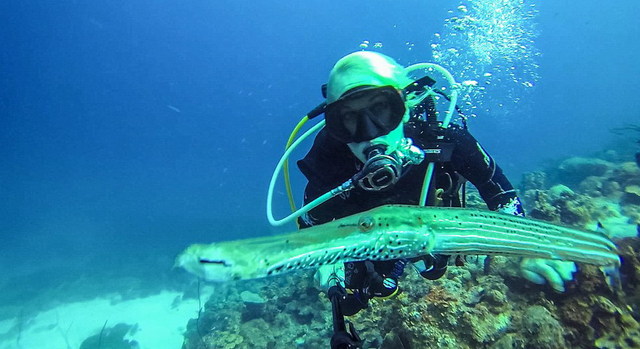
(480, 304)
(584, 192)
(284, 311)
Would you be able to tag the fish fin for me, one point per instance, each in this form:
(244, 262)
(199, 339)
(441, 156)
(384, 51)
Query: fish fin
(600, 229)
(612, 276)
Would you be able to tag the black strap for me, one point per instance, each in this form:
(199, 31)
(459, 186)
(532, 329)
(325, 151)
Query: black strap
(343, 337)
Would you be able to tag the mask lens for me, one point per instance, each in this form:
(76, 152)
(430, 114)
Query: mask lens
(364, 114)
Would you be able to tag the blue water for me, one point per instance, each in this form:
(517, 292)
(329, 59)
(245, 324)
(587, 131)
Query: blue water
(130, 129)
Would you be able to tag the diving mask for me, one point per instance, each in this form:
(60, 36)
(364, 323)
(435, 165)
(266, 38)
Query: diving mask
(365, 113)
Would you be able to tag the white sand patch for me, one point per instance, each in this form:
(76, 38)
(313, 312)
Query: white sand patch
(161, 322)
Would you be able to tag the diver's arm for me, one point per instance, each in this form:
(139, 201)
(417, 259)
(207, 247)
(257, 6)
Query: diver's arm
(321, 214)
(328, 164)
(477, 166)
(337, 207)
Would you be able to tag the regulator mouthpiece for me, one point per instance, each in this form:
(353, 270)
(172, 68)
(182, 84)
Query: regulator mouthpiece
(382, 171)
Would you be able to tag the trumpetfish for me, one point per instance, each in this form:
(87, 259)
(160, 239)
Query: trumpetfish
(397, 231)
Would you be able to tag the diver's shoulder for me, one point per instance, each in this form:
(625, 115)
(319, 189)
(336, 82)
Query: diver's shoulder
(419, 128)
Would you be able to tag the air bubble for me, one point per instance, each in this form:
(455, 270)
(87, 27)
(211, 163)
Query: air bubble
(490, 39)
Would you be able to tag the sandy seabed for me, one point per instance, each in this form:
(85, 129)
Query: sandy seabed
(159, 320)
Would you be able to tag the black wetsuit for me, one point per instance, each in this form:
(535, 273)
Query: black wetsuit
(457, 155)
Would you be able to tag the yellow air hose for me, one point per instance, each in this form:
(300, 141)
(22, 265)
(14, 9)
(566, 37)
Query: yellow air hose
(285, 167)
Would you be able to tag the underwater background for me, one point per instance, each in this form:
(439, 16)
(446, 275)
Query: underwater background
(131, 129)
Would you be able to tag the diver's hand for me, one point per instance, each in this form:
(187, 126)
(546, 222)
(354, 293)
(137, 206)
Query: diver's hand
(542, 271)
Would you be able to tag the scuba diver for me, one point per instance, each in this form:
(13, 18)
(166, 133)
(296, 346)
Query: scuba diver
(382, 138)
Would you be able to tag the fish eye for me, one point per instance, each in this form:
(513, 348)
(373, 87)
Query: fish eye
(365, 223)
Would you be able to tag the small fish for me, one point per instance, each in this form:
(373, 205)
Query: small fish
(394, 232)
(174, 108)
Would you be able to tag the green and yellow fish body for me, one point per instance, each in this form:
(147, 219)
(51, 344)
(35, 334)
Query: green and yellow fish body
(397, 231)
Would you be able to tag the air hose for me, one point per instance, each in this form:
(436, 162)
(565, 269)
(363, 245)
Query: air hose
(445, 123)
(348, 185)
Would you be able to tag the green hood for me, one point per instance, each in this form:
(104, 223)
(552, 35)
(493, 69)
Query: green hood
(364, 68)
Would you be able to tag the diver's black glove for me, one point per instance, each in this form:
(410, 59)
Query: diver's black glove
(345, 335)
(431, 266)
(365, 281)
(352, 303)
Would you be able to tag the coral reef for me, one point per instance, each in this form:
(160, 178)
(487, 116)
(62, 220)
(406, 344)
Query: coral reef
(278, 312)
(482, 304)
(585, 191)
(468, 308)
(575, 169)
(560, 204)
